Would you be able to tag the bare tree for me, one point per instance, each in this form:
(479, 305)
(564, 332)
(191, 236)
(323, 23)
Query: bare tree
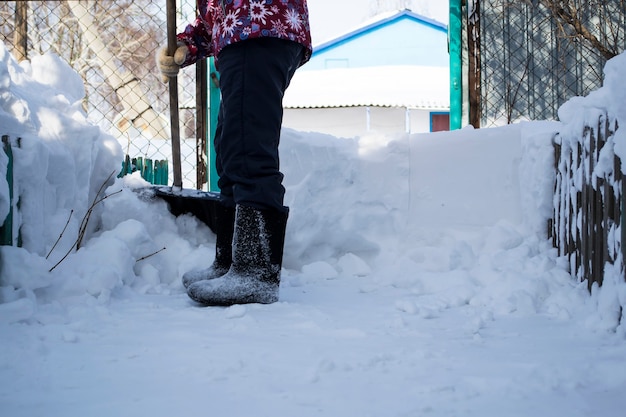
(527, 57)
(128, 32)
(21, 30)
(598, 23)
(115, 54)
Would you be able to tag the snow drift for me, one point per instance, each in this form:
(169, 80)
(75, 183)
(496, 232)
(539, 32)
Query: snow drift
(418, 279)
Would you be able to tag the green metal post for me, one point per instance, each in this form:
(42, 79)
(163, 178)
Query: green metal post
(214, 106)
(455, 36)
(6, 231)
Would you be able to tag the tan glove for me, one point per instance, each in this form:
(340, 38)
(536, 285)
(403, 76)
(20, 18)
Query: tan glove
(170, 65)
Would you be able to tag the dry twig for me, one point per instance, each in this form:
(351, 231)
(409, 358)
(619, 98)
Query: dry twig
(152, 254)
(83, 225)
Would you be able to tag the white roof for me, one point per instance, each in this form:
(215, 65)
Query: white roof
(415, 87)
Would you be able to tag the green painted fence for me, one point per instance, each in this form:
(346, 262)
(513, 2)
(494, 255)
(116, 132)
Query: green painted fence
(155, 172)
(8, 227)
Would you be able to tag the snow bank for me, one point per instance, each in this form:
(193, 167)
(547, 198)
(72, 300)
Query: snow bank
(456, 218)
(418, 280)
(61, 159)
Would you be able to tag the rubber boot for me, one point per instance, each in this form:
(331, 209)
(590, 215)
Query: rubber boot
(224, 227)
(254, 276)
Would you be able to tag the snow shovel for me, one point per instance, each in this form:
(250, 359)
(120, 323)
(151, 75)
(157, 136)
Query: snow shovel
(200, 204)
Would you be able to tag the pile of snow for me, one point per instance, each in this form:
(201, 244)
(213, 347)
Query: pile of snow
(411, 264)
(469, 203)
(61, 160)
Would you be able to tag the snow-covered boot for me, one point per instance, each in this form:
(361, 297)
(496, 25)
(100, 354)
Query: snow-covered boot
(254, 276)
(224, 226)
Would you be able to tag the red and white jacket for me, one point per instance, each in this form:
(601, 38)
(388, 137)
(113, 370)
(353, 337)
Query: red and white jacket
(223, 22)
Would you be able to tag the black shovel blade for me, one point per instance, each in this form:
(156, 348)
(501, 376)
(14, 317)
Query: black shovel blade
(200, 204)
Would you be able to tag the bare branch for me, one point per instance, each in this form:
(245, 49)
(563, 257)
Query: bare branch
(152, 254)
(565, 12)
(83, 224)
(61, 235)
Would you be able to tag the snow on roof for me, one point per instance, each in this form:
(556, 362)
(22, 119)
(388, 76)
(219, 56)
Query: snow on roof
(417, 87)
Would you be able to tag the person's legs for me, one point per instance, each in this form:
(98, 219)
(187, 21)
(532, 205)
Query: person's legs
(224, 220)
(223, 182)
(254, 75)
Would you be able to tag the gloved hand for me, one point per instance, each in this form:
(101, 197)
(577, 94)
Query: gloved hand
(170, 65)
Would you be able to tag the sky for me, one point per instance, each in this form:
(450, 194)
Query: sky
(418, 279)
(332, 18)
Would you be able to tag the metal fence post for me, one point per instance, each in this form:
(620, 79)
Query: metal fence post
(214, 106)
(6, 230)
(455, 36)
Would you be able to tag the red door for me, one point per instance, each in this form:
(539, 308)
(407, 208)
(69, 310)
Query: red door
(439, 122)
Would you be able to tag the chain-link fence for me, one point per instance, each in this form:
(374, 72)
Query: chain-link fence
(527, 57)
(112, 44)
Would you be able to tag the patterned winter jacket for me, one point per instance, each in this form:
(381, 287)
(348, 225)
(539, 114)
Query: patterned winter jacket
(223, 22)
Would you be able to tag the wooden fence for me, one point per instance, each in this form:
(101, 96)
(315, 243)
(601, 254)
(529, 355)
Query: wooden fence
(588, 200)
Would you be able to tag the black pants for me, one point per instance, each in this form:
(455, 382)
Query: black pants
(254, 75)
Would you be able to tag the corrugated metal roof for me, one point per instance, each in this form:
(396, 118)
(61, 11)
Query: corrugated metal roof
(415, 87)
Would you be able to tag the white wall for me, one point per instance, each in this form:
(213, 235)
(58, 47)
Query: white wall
(353, 121)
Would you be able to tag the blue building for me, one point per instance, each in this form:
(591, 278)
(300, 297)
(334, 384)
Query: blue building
(390, 75)
(398, 38)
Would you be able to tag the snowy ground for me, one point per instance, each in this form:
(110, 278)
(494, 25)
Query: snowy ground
(418, 281)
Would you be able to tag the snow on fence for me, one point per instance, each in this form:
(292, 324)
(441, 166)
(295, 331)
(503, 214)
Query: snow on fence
(588, 200)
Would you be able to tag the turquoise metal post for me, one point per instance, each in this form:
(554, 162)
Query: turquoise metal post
(214, 106)
(6, 229)
(455, 36)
